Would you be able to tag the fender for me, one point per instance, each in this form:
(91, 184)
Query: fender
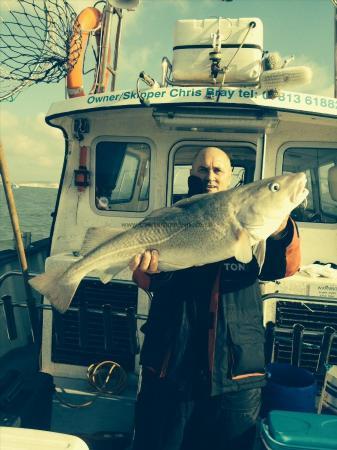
(88, 20)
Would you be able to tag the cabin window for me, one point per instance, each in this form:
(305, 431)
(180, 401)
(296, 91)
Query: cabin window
(122, 176)
(315, 162)
(242, 159)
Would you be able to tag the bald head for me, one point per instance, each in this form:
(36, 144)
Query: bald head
(212, 165)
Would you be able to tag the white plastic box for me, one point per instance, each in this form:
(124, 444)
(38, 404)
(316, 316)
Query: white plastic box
(25, 439)
(328, 401)
(193, 42)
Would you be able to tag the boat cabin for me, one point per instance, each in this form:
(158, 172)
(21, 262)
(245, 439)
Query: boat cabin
(128, 153)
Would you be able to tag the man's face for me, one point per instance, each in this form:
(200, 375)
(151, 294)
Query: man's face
(213, 168)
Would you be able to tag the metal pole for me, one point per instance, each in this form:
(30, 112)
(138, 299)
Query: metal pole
(323, 358)
(297, 343)
(117, 46)
(33, 312)
(261, 156)
(105, 47)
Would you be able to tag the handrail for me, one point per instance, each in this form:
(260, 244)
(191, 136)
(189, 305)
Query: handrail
(107, 311)
(300, 298)
(47, 307)
(10, 273)
(14, 273)
(265, 297)
(272, 296)
(298, 332)
(83, 310)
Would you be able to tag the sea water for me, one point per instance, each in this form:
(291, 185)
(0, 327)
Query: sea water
(35, 206)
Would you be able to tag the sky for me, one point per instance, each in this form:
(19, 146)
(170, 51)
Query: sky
(303, 28)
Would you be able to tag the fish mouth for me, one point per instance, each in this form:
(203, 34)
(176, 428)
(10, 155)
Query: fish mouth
(301, 192)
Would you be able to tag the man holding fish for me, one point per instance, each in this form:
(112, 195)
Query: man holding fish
(202, 357)
(203, 353)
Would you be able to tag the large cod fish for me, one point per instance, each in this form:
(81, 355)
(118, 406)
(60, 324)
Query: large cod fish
(199, 230)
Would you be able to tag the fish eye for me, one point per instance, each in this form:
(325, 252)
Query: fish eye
(274, 187)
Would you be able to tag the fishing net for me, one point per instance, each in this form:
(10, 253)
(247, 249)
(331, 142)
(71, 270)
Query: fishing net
(40, 41)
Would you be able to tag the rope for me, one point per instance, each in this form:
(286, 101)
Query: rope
(107, 377)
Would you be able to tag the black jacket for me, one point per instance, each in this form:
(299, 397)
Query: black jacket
(205, 323)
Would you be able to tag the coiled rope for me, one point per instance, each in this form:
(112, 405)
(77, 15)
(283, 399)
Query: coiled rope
(107, 377)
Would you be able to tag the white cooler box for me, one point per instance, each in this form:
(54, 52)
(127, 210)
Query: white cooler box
(193, 42)
(25, 439)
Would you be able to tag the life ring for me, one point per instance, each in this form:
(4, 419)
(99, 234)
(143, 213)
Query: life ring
(88, 20)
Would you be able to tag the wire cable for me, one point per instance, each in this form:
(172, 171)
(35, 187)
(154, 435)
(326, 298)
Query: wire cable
(225, 68)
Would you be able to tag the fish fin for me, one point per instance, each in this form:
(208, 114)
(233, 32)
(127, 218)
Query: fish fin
(259, 251)
(243, 248)
(56, 287)
(109, 274)
(159, 215)
(190, 200)
(161, 212)
(172, 211)
(96, 236)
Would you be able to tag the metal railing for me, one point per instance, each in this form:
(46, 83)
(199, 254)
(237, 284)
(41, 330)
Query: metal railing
(83, 311)
(296, 333)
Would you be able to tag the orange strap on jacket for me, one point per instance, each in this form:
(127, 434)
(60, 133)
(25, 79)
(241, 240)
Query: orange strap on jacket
(293, 253)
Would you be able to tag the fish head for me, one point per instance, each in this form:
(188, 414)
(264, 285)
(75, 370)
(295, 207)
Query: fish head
(263, 205)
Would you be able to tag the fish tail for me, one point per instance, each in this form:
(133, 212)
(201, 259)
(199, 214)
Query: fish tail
(58, 287)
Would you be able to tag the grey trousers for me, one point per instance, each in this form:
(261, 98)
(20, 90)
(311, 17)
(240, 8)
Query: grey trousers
(164, 420)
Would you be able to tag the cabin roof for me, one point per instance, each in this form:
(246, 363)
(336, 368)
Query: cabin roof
(288, 100)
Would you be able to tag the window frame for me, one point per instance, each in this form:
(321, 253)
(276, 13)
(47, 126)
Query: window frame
(198, 142)
(279, 165)
(320, 187)
(133, 183)
(126, 140)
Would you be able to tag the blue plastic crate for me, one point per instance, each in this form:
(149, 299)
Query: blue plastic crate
(288, 430)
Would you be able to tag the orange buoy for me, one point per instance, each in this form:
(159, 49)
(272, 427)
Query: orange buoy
(89, 20)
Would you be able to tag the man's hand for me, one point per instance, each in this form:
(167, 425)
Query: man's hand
(278, 233)
(146, 262)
